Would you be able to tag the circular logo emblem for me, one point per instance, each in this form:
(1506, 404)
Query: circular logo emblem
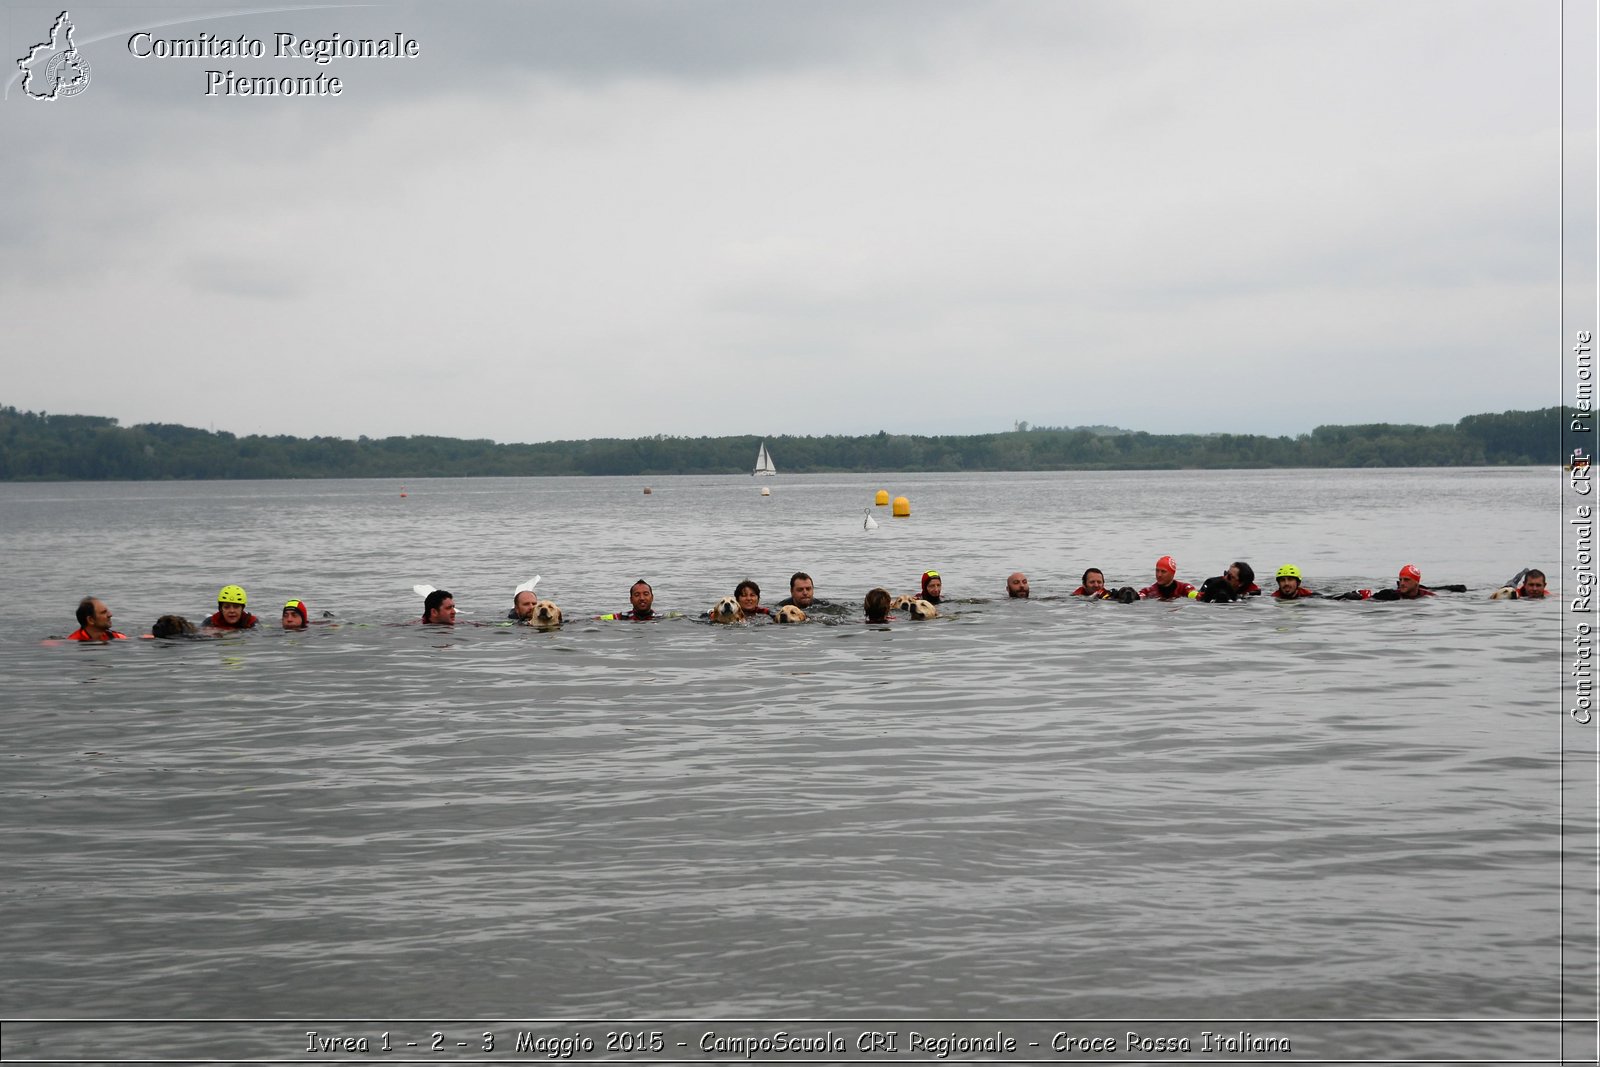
(67, 74)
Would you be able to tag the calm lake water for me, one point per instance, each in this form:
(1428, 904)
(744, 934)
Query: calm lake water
(1337, 825)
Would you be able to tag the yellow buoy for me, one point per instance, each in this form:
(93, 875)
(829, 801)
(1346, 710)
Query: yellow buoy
(882, 498)
(902, 507)
(647, 490)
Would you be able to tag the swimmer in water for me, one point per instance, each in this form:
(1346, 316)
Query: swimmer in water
(1408, 586)
(94, 622)
(643, 599)
(439, 608)
(748, 594)
(1167, 586)
(1237, 582)
(802, 591)
(522, 606)
(1534, 586)
(231, 613)
(1289, 587)
(876, 605)
(296, 616)
(1094, 585)
(1017, 586)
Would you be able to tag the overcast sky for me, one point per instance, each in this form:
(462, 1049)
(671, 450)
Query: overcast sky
(582, 218)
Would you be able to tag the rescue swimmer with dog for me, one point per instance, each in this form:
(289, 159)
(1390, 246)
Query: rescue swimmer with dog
(1533, 586)
(748, 594)
(1408, 586)
(522, 603)
(1238, 581)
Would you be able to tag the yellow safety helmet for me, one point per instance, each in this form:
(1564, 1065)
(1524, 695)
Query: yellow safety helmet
(1289, 570)
(231, 594)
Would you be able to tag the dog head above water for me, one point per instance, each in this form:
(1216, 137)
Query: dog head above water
(922, 609)
(545, 614)
(788, 613)
(726, 610)
(901, 603)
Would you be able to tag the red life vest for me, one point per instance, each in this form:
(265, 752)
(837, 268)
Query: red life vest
(246, 620)
(1176, 591)
(1302, 591)
(80, 634)
(1103, 594)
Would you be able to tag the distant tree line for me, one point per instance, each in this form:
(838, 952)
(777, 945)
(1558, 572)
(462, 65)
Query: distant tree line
(39, 446)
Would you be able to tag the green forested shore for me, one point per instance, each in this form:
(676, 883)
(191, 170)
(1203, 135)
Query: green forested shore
(35, 446)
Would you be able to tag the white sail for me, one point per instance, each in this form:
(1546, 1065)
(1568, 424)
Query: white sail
(764, 464)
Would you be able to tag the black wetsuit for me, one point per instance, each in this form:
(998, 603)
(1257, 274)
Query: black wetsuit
(1218, 591)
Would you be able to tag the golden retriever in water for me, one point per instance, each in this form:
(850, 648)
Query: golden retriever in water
(726, 610)
(546, 615)
(1505, 592)
(789, 613)
(901, 603)
(923, 609)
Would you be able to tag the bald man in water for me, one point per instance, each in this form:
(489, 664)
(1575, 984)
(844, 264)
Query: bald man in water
(1017, 586)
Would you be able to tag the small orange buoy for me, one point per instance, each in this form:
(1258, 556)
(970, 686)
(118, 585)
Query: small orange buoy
(882, 498)
(902, 507)
(647, 490)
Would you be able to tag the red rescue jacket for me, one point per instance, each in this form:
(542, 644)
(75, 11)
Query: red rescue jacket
(246, 620)
(80, 634)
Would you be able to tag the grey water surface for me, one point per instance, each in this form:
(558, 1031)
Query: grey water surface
(1315, 820)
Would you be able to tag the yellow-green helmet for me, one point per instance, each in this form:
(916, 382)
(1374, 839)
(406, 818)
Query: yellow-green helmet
(1289, 570)
(231, 594)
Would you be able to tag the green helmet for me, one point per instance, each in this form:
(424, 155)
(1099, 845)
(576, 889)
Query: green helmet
(1289, 570)
(231, 594)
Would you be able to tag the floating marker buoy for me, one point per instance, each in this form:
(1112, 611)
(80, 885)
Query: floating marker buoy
(765, 491)
(402, 491)
(882, 498)
(647, 490)
(869, 523)
(902, 507)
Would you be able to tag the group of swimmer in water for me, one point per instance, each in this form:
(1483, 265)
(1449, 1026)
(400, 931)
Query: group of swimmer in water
(439, 606)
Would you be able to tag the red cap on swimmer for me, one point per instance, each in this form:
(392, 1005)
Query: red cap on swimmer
(1167, 563)
(1410, 571)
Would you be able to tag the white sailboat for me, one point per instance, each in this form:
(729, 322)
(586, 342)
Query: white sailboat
(764, 464)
